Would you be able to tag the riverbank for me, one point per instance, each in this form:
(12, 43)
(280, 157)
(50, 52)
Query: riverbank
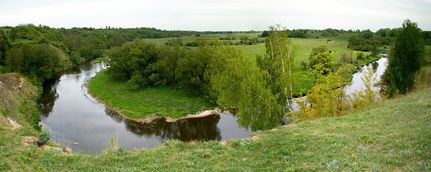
(146, 104)
(389, 136)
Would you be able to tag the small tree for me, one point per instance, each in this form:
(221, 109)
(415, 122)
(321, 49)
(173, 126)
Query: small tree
(367, 96)
(241, 85)
(278, 63)
(320, 62)
(404, 60)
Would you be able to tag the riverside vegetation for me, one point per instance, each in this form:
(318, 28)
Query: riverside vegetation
(206, 73)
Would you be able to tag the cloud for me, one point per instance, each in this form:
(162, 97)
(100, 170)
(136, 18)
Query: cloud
(218, 14)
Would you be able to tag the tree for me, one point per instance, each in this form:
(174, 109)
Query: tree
(241, 85)
(278, 63)
(167, 65)
(367, 96)
(328, 97)
(404, 60)
(4, 46)
(136, 60)
(191, 69)
(41, 61)
(320, 62)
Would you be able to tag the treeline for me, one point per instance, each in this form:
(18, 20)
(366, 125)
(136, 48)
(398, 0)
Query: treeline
(229, 40)
(40, 51)
(313, 33)
(370, 41)
(361, 40)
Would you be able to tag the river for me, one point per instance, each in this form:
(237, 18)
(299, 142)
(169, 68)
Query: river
(357, 84)
(75, 120)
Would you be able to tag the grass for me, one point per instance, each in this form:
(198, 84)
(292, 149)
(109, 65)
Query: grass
(393, 135)
(158, 101)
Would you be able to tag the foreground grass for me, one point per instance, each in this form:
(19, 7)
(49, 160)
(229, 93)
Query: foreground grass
(390, 136)
(154, 101)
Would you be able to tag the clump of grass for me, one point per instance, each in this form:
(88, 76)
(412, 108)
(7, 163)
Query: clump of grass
(44, 138)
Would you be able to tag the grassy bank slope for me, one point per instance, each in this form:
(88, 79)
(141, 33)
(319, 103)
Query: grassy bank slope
(17, 100)
(158, 101)
(393, 135)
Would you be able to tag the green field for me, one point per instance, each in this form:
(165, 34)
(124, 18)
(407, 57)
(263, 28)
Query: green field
(145, 102)
(393, 135)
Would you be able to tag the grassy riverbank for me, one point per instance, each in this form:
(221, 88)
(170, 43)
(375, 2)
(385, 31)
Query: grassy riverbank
(391, 135)
(145, 102)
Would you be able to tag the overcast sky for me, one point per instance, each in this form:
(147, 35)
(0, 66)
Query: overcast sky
(217, 14)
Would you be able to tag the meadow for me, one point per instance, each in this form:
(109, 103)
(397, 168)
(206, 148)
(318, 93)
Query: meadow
(145, 102)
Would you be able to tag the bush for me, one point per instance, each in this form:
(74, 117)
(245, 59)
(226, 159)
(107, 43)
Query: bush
(304, 65)
(41, 61)
(360, 56)
(346, 59)
(135, 82)
(44, 138)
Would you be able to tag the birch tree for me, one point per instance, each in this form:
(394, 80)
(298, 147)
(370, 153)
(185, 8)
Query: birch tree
(278, 62)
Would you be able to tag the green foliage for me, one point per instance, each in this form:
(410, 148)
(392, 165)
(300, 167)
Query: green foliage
(167, 65)
(320, 62)
(323, 57)
(365, 41)
(346, 59)
(368, 95)
(40, 61)
(241, 85)
(360, 56)
(161, 101)
(4, 46)
(135, 60)
(404, 60)
(19, 100)
(278, 62)
(44, 137)
(327, 98)
(191, 69)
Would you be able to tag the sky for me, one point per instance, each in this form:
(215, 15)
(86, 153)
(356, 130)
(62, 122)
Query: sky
(217, 15)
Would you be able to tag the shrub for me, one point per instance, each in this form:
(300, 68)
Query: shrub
(360, 56)
(44, 138)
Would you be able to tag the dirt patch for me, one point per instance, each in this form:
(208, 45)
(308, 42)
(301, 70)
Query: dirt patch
(14, 125)
(64, 151)
(29, 140)
(9, 123)
(197, 115)
(255, 138)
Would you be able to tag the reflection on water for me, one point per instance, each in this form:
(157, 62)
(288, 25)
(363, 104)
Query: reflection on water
(77, 121)
(357, 84)
(184, 130)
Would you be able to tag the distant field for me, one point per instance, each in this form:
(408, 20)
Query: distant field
(163, 101)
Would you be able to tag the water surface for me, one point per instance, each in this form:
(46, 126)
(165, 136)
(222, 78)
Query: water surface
(74, 119)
